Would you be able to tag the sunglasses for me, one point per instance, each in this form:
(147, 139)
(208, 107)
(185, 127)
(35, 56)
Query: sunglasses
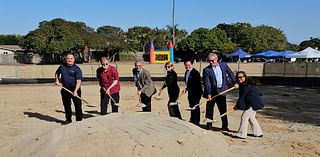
(211, 61)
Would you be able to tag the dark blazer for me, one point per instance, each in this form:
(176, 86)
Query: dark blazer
(194, 82)
(171, 81)
(148, 86)
(248, 97)
(210, 82)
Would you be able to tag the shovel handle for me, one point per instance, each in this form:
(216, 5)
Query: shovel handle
(66, 89)
(229, 111)
(223, 92)
(194, 107)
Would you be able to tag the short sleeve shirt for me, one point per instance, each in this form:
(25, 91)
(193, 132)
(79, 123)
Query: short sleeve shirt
(69, 75)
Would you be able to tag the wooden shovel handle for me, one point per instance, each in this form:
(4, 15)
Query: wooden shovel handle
(66, 89)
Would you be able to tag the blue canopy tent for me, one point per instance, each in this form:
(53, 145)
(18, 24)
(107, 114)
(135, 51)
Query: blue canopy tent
(273, 54)
(239, 53)
(287, 52)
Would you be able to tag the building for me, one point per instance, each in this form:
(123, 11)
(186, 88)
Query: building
(15, 54)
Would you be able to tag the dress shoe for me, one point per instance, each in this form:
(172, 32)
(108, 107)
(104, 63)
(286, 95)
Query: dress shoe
(225, 129)
(66, 122)
(209, 126)
(239, 137)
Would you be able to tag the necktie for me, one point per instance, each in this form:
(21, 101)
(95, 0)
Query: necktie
(138, 84)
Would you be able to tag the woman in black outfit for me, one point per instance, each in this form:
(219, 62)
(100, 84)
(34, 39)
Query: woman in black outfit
(171, 82)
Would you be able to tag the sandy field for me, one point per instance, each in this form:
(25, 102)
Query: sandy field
(31, 119)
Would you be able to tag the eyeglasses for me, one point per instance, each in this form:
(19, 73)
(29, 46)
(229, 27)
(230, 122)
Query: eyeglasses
(239, 77)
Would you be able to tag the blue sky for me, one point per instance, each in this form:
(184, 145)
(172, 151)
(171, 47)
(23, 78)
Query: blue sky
(298, 19)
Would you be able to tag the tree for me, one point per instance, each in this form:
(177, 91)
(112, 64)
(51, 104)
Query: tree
(179, 33)
(161, 38)
(115, 38)
(203, 40)
(11, 39)
(267, 37)
(313, 42)
(138, 38)
(54, 37)
(255, 39)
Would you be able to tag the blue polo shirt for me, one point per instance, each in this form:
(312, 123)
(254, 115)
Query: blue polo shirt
(69, 75)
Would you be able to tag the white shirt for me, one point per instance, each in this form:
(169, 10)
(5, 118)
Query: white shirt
(187, 75)
(218, 73)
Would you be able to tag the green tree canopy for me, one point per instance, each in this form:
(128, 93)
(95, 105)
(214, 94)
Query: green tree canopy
(55, 36)
(11, 39)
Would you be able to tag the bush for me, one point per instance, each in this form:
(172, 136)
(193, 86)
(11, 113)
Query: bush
(127, 56)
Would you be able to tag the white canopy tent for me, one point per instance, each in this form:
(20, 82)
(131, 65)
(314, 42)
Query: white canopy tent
(306, 53)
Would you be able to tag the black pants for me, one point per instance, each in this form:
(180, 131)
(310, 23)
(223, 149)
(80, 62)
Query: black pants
(173, 109)
(222, 107)
(147, 101)
(104, 101)
(194, 99)
(66, 99)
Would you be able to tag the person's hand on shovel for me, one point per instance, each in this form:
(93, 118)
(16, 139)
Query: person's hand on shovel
(75, 93)
(139, 92)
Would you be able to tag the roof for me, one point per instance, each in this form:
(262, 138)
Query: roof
(12, 47)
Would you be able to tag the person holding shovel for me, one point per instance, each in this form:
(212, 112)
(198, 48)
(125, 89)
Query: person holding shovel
(171, 83)
(108, 78)
(249, 101)
(70, 75)
(215, 81)
(192, 80)
(144, 84)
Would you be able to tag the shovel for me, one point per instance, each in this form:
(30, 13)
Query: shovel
(216, 119)
(115, 103)
(195, 106)
(158, 97)
(140, 104)
(75, 96)
(177, 102)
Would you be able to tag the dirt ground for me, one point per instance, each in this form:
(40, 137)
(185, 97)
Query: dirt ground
(290, 120)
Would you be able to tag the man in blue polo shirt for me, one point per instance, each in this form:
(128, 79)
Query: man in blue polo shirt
(71, 76)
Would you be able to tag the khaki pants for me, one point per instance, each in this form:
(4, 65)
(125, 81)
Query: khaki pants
(249, 116)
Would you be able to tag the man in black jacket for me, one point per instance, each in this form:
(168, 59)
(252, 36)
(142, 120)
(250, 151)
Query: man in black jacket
(192, 79)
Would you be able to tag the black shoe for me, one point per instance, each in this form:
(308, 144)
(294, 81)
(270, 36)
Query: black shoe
(225, 129)
(209, 126)
(66, 122)
(258, 135)
(238, 137)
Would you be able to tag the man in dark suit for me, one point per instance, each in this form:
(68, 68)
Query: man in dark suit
(144, 84)
(215, 81)
(193, 87)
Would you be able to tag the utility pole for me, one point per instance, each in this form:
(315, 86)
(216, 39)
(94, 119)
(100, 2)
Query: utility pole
(173, 24)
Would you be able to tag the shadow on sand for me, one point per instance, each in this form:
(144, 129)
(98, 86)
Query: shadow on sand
(43, 117)
(289, 103)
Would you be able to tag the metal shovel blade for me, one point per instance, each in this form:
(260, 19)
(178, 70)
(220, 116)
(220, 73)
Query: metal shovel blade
(173, 103)
(192, 108)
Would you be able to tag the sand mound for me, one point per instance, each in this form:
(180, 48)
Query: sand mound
(125, 134)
